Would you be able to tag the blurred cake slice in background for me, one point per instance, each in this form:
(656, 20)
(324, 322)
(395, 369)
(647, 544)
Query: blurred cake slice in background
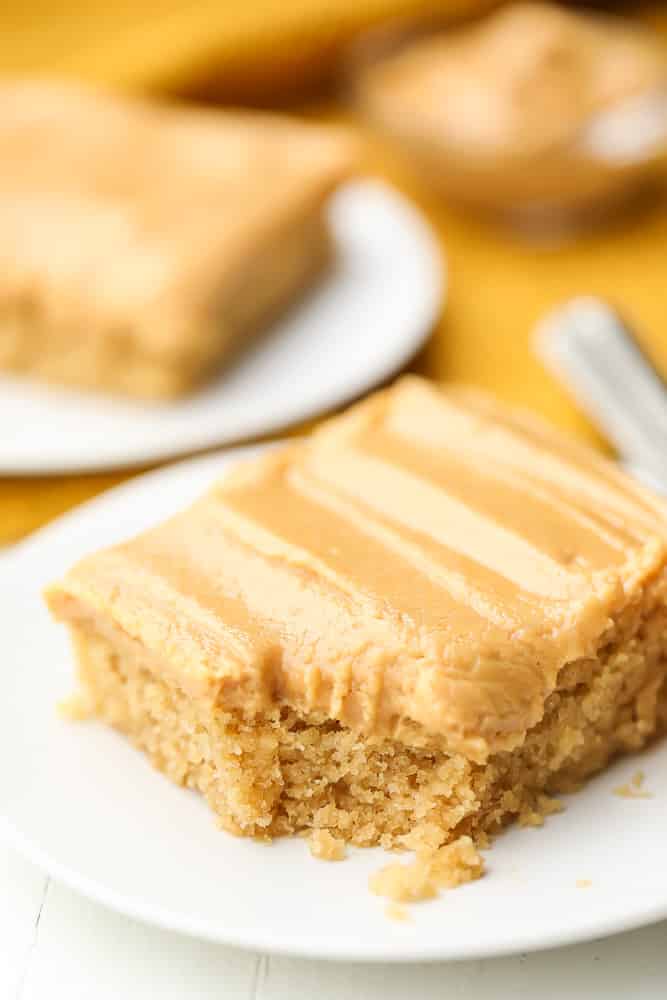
(142, 243)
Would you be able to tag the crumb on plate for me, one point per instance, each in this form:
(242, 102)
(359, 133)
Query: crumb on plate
(633, 789)
(534, 815)
(433, 869)
(325, 846)
(76, 707)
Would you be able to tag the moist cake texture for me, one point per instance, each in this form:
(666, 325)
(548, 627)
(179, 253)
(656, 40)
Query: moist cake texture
(411, 627)
(141, 244)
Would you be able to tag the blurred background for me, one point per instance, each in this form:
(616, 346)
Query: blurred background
(297, 56)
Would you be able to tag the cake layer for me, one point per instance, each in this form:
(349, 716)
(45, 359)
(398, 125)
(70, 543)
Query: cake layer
(427, 568)
(141, 243)
(282, 773)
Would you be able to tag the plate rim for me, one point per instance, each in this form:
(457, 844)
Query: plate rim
(273, 943)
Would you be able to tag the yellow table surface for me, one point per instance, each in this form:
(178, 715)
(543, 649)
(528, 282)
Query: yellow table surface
(251, 49)
(499, 285)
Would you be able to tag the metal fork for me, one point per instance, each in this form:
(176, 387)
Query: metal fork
(590, 348)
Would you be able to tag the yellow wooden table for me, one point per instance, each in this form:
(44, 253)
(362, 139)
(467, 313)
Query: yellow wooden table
(499, 285)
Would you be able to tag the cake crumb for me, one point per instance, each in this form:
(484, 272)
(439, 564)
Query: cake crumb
(326, 847)
(633, 789)
(536, 814)
(583, 883)
(396, 912)
(433, 869)
(75, 708)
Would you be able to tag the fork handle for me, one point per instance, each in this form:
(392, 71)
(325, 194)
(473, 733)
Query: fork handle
(589, 347)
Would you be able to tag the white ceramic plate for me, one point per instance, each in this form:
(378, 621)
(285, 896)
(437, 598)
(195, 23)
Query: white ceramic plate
(359, 326)
(79, 801)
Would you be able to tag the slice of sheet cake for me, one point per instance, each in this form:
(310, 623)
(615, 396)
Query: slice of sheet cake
(419, 621)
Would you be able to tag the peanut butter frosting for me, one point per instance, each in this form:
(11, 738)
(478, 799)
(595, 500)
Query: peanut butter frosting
(138, 220)
(520, 82)
(422, 567)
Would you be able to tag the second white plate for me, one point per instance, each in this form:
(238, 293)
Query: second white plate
(363, 323)
(79, 801)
